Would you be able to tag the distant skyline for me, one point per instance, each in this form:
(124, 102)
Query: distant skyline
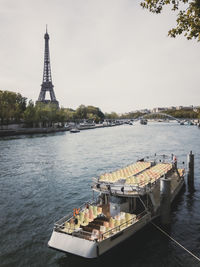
(109, 53)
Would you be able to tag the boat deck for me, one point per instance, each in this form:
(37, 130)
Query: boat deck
(92, 224)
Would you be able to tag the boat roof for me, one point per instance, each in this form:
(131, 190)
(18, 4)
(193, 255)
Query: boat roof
(124, 173)
(150, 175)
(133, 179)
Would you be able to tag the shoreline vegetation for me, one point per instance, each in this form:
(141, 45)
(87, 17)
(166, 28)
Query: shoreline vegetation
(31, 118)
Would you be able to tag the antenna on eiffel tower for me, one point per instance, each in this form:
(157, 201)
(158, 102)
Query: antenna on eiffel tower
(47, 79)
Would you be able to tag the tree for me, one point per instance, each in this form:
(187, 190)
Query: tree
(12, 106)
(69, 114)
(30, 114)
(188, 17)
(46, 114)
(94, 113)
(81, 112)
(88, 112)
(198, 113)
(61, 116)
(111, 116)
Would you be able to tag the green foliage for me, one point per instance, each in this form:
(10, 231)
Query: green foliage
(131, 115)
(182, 113)
(30, 113)
(88, 112)
(81, 112)
(69, 114)
(12, 106)
(112, 116)
(188, 17)
(198, 114)
(47, 114)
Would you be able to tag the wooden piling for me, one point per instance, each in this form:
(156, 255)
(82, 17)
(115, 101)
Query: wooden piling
(165, 200)
(190, 174)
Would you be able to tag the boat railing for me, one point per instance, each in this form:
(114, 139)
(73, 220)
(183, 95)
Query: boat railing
(101, 236)
(70, 215)
(116, 188)
(122, 226)
(82, 234)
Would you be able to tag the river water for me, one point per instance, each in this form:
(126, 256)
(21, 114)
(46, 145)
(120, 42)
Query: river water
(43, 177)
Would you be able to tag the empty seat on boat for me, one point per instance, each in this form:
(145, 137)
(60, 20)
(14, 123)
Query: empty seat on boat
(106, 224)
(102, 229)
(95, 234)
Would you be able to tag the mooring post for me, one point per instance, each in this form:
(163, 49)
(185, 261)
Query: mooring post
(190, 175)
(165, 200)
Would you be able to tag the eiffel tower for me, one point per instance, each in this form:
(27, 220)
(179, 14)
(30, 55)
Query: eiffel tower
(47, 80)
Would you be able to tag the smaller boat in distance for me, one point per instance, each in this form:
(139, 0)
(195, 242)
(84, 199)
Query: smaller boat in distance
(86, 125)
(74, 130)
(190, 123)
(143, 121)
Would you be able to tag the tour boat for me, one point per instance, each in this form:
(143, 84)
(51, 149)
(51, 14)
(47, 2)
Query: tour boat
(128, 199)
(74, 130)
(143, 121)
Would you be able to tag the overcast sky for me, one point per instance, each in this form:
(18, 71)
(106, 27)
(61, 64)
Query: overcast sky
(107, 53)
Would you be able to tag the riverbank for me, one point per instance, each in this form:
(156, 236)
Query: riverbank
(24, 131)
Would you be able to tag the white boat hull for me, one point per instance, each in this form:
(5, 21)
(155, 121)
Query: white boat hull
(93, 249)
(74, 245)
(116, 239)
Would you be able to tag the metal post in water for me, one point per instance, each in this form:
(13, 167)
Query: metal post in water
(190, 175)
(165, 200)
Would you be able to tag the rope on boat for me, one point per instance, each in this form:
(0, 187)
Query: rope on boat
(175, 241)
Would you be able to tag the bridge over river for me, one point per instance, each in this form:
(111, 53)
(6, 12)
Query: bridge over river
(161, 114)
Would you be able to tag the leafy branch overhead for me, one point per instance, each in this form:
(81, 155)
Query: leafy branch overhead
(188, 17)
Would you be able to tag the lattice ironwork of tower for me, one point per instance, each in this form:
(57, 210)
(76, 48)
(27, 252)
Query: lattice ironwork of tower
(47, 79)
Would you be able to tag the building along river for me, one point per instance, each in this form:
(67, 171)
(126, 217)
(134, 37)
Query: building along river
(43, 177)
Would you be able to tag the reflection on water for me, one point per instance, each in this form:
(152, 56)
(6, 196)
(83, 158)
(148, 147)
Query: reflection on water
(43, 177)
